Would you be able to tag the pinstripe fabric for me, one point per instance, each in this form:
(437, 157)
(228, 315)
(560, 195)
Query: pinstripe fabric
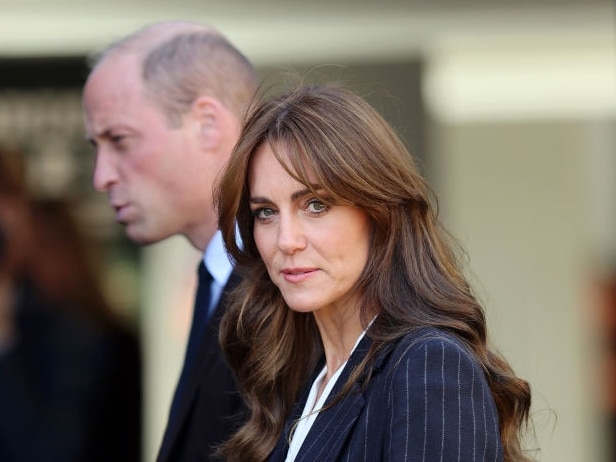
(427, 401)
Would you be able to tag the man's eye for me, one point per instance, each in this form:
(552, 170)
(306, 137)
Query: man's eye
(117, 139)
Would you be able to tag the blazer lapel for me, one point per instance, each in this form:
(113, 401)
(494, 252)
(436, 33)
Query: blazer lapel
(209, 347)
(279, 453)
(331, 429)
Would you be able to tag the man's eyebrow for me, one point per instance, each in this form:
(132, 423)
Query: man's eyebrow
(105, 134)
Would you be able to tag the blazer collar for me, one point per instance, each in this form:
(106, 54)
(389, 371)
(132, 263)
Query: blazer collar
(326, 438)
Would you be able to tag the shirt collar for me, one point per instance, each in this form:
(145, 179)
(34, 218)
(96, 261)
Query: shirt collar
(217, 261)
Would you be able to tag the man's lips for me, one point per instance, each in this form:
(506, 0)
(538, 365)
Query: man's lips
(121, 210)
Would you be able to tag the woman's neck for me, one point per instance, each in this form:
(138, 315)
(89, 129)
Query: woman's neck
(339, 336)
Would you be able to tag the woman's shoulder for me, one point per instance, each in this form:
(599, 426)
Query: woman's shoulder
(429, 335)
(424, 342)
(434, 357)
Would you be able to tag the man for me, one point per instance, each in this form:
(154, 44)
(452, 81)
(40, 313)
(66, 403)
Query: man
(163, 107)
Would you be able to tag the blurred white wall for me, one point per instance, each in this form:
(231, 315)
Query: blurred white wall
(523, 145)
(517, 196)
(169, 284)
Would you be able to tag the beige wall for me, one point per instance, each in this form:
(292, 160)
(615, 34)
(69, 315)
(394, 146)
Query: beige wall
(169, 275)
(522, 147)
(519, 196)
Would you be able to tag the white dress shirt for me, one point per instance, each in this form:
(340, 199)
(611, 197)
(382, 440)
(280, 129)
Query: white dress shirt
(217, 262)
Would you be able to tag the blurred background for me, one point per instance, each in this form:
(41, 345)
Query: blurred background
(509, 105)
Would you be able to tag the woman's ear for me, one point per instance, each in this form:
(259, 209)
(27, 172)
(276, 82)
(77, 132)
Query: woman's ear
(207, 117)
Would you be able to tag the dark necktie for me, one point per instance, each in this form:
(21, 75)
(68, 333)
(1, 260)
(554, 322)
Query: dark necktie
(199, 323)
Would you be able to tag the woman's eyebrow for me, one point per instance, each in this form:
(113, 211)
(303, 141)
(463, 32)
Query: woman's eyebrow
(296, 195)
(258, 200)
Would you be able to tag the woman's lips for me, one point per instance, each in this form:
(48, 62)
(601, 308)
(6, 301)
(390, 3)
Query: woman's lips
(296, 275)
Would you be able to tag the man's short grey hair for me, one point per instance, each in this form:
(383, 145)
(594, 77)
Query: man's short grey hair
(183, 61)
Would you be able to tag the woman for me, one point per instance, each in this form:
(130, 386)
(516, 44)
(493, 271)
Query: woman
(354, 335)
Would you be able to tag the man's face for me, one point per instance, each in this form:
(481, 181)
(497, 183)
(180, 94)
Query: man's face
(154, 173)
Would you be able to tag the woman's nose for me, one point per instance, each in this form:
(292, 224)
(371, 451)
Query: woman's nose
(291, 236)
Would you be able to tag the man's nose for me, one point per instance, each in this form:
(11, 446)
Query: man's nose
(105, 172)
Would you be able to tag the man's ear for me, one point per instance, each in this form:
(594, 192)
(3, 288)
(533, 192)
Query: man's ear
(207, 116)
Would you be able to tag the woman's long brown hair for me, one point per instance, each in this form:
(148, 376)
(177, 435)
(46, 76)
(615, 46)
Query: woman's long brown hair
(412, 278)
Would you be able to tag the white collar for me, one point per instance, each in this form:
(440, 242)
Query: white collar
(217, 261)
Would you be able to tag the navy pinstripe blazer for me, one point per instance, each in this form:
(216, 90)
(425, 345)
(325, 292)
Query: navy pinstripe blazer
(427, 400)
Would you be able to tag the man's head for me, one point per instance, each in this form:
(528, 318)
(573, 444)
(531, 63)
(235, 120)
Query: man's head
(163, 108)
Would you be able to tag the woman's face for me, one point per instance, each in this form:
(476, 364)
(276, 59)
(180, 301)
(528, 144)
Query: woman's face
(313, 252)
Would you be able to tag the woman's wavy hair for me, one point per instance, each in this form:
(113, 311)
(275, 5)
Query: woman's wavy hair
(330, 138)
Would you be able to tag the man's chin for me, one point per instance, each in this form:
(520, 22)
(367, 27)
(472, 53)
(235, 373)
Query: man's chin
(141, 237)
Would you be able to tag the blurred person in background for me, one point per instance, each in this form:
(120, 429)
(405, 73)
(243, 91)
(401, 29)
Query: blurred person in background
(163, 108)
(70, 370)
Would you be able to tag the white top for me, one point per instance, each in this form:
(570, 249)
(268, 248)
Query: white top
(313, 407)
(217, 262)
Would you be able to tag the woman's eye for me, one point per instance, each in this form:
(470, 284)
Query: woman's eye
(316, 206)
(263, 213)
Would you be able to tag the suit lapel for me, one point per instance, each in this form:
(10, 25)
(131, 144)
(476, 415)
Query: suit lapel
(331, 429)
(279, 453)
(207, 354)
(209, 348)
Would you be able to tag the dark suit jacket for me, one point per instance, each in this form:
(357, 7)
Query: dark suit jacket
(211, 407)
(427, 400)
